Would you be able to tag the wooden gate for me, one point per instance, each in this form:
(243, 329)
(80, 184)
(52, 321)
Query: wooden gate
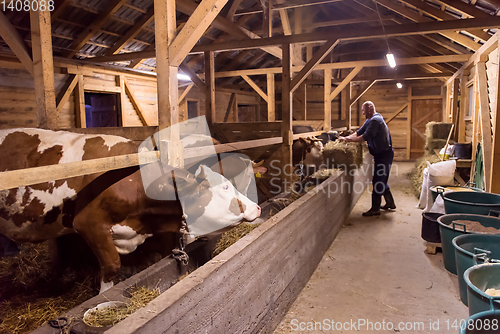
(422, 112)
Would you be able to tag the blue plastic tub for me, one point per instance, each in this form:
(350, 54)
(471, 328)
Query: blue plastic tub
(477, 323)
(472, 249)
(449, 230)
(479, 278)
(478, 203)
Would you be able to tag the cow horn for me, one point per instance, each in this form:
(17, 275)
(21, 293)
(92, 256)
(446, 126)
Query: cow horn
(257, 164)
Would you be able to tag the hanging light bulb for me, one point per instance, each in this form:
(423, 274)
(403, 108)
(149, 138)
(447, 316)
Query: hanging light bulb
(399, 85)
(391, 60)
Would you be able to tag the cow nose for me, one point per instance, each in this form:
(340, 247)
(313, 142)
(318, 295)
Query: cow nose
(259, 209)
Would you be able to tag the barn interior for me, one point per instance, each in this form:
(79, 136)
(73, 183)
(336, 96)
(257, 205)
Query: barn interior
(257, 71)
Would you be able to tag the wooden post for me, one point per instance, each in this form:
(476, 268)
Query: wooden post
(495, 159)
(463, 110)
(43, 69)
(123, 99)
(345, 108)
(302, 91)
(286, 124)
(271, 98)
(210, 87)
(327, 99)
(235, 109)
(81, 120)
(485, 123)
(268, 19)
(408, 128)
(167, 82)
(454, 103)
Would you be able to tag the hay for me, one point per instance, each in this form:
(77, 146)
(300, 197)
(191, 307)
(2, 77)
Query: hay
(338, 154)
(233, 235)
(417, 173)
(324, 173)
(437, 130)
(110, 316)
(26, 282)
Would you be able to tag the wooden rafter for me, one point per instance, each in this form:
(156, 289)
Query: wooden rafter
(15, 42)
(395, 114)
(233, 9)
(185, 92)
(94, 27)
(287, 5)
(194, 77)
(132, 32)
(362, 91)
(135, 102)
(67, 92)
(255, 87)
(345, 82)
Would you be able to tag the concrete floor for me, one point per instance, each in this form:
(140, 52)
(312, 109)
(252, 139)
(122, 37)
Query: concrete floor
(376, 271)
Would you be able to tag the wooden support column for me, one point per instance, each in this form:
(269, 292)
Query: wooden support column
(454, 103)
(123, 98)
(271, 98)
(268, 19)
(43, 70)
(328, 100)
(485, 122)
(11, 36)
(210, 87)
(408, 128)
(286, 124)
(235, 109)
(81, 121)
(167, 82)
(463, 110)
(345, 105)
(302, 92)
(495, 159)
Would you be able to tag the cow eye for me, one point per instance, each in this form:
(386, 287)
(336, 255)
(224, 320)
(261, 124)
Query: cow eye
(225, 187)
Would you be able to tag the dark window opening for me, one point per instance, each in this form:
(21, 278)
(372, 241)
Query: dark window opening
(192, 107)
(102, 110)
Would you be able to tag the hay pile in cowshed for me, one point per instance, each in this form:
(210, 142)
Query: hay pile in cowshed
(337, 154)
(233, 235)
(436, 134)
(416, 175)
(112, 315)
(32, 292)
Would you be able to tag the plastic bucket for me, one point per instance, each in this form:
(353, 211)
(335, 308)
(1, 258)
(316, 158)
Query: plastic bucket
(436, 190)
(479, 278)
(482, 323)
(479, 203)
(471, 249)
(430, 227)
(449, 230)
(463, 150)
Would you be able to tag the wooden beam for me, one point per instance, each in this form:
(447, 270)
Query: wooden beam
(233, 9)
(311, 64)
(268, 19)
(135, 102)
(185, 92)
(287, 5)
(210, 87)
(287, 112)
(345, 105)
(463, 110)
(454, 101)
(302, 91)
(345, 82)
(65, 97)
(123, 99)
(464, 8)
(194, 29)
(15, 42)
(80, 118)
(362, 91)
(485, 123)
(132, 32)
(94, 26)
(351, 64)
(394, 115)
(43, 70)
(137, 62)
(255, 87)
(229, 106)
(408, 125)
(194, 77)
(495, 157)
(271, 98)
(328, 99)
(357, 20)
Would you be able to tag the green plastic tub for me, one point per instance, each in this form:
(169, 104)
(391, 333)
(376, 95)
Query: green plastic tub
(472, 249)
(487, 322)
(479, 203)
(449, 230)
(436, 190)
(479, 278)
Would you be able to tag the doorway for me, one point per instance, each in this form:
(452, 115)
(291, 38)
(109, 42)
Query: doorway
(102, 110)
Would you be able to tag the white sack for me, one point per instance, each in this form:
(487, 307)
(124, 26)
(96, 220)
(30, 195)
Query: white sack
(425, 187)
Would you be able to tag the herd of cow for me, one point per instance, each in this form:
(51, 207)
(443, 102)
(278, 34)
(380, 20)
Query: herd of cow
(115, 211)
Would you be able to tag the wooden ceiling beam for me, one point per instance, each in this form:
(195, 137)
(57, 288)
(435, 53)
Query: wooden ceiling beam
(132, 32)
(15, 42)
(440, 15)
(287, 5)
(93, 27)
(464, 8)
(232, 9)
(357, 20)
(408, 13)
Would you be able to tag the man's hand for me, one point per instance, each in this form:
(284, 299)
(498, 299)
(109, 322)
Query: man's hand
(344, 139)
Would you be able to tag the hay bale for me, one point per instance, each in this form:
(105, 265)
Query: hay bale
(433, 144)
(233, 235)
(437, 130)
(337, 154)
(416, 175)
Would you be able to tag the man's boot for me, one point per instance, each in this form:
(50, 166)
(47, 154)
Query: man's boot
(375, 210)
(389, 201)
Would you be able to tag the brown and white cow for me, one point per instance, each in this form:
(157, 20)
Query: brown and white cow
(111, 210)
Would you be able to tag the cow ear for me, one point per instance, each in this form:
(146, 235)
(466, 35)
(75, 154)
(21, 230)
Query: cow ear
(302, 140)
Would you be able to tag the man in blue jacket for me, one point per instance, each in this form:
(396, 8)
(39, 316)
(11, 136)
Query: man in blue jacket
(376, 133)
